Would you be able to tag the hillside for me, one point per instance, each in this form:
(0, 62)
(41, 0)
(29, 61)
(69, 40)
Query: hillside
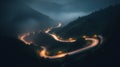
(104, 22)
(14, 53)
(97, 22)
(18, 17)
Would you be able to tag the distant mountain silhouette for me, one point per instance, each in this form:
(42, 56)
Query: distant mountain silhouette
(14, 14)
(97, 22)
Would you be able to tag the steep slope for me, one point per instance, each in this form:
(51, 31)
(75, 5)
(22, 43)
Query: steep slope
(17, 16)
(105, 22)
(97, 22)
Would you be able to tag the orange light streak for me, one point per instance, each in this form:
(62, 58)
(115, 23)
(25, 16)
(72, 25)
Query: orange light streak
(22, 38)
(93, 44)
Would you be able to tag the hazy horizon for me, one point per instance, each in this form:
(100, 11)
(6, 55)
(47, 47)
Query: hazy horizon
(68, 10)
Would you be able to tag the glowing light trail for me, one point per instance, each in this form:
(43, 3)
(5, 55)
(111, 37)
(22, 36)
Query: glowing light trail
(58, 38)
(49, 29)
(22, 38)
(93, 44)
(43, 54)
(96, 39)
(59, 25)
(54, 36)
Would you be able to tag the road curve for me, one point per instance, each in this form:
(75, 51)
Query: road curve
(43, 53)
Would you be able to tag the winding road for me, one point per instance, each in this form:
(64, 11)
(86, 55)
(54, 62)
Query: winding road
(94, 43)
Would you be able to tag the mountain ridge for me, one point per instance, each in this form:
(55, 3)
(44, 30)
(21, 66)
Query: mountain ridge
(96, 23)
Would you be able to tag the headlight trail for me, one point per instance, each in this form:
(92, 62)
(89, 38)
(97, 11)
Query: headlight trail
(59, 25)
(95, 40)
(93, 44)
(43, 54)
(54, 36)
(22, 38)
(49, 29)
(58, 38)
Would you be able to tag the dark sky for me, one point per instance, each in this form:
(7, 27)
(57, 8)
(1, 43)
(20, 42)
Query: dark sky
(67, 10)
